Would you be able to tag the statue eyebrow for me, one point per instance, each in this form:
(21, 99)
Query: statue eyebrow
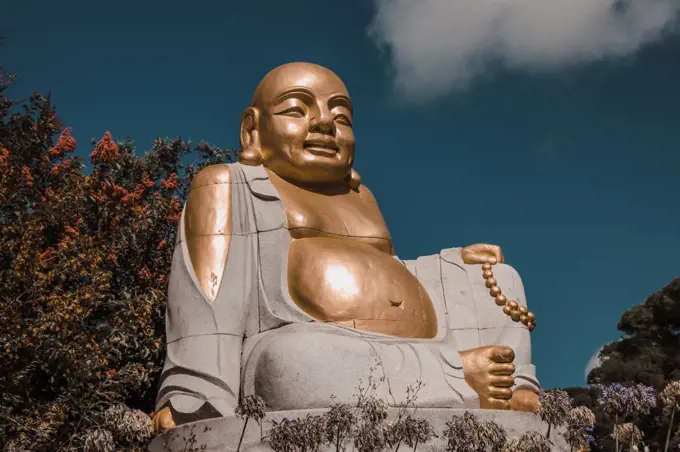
(293, 92)
(342, 100)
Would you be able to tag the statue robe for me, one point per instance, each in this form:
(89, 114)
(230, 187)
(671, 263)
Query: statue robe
(254, 339)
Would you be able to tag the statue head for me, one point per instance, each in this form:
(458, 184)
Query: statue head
(299, 126)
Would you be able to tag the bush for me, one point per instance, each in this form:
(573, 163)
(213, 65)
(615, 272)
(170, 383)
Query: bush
(84, 262)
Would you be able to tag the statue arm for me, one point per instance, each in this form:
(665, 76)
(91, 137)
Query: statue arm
(512, 332)
(508, 325)
(473, 318)
(212, 285)
(517, 336)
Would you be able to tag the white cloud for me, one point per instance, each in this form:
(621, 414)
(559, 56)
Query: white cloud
(440, 45)
(593, 362)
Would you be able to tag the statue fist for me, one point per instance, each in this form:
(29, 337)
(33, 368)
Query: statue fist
(482, 253)
(488, 370)
(163, 421)
(524, 400)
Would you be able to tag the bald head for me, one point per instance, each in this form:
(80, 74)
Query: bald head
(299, 125)
(299, 74)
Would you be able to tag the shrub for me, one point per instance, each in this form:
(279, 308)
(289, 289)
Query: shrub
(84, 262)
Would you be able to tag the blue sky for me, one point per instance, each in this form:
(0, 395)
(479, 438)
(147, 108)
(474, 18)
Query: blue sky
(554, 133)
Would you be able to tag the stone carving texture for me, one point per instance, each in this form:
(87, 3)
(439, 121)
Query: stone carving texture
(246, 334)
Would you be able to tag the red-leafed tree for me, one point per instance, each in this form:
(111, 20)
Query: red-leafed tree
(84, 263)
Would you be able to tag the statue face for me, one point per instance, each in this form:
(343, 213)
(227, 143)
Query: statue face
(304, 126)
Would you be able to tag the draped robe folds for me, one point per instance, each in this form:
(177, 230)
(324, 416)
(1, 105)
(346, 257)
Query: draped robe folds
(253, 339)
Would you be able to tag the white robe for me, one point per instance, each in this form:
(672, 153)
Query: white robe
(254, 339)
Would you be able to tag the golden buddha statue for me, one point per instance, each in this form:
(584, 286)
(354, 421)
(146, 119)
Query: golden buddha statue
(285, 282)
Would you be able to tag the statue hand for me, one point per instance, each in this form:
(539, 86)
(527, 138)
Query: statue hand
(524, 400)
(163, 421)
(488, 370)
(481, 253)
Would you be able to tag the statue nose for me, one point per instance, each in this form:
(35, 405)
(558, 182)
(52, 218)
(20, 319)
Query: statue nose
(323, 124)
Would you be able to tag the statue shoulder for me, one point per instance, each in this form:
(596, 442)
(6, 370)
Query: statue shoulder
(209, 204)
(208, 225)
(213, 175)
(366, 195)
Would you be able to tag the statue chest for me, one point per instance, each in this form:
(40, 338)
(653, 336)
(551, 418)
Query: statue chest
(340, 267)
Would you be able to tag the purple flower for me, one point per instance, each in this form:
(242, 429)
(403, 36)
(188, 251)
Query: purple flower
(554, 406)
(627, 433)
(671, 396)
(615, 400)
(578, 437)
(642, 398)
(251, 406)
(622, 401)
(463, 433)
(529, 442)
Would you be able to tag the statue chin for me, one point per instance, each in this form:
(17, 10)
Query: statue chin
(308, 169)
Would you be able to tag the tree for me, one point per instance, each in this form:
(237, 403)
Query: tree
(648, 353)
(84, 262)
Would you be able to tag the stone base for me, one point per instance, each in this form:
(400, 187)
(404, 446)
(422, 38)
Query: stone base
(222, 434)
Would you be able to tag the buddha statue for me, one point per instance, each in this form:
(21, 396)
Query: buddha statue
(285, 282)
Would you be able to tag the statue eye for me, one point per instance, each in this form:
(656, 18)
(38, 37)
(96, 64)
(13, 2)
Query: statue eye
(294, 112)
(343, 120)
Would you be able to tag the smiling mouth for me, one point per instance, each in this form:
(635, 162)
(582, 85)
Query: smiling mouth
(325, 148)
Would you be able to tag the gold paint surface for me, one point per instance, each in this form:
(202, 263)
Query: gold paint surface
(299, 125)
(488, 370)
(213, 174)
(208, 211)
(339, 212)
(379, 243)
(345, 280)
(163, 421)
(482, 253)
(524, 400)
(510, 308)
(208, 227)
(340, 264)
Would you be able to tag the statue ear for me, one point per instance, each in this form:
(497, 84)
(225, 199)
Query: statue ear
(251, 152)
(353, 179)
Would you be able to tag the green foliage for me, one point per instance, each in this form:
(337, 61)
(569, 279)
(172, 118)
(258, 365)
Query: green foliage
(648, 354)
(84, 262)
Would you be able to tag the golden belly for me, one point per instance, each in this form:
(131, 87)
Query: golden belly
(352, 283)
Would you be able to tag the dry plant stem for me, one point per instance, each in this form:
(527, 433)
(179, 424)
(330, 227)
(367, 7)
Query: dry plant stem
(616, 440)
(670, 428)
(243, 432)
(337, 444)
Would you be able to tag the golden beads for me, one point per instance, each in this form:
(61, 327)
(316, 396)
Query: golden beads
(512, 308)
